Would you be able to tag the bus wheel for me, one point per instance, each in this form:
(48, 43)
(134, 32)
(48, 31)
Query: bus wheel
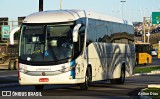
(84, 86)
(39, 87)
(122, 78)
(119, 80)
(11, 64)
(147, 61)
(113, 81)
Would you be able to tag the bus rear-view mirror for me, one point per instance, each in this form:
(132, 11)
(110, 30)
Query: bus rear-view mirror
(75, 32)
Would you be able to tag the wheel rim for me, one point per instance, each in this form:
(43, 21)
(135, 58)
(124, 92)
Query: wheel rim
(86, 80)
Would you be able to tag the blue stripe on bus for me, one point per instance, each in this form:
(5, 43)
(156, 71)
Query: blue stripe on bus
(73, 73)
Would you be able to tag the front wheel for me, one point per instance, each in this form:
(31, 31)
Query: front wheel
(84, 86)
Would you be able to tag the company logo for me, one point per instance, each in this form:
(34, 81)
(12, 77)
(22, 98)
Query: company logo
(6, 93)
(14, 93)
(43, 74)
(39, 69)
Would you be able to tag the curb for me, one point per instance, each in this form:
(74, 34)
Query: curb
(151, 73)
(156, 71)
(9, 85)
(154, 86)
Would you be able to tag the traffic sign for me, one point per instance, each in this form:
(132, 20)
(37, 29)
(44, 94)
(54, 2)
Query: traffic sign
(5, 31)
(155, 17)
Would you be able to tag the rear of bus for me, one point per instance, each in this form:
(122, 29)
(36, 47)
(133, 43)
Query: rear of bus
(143, 55)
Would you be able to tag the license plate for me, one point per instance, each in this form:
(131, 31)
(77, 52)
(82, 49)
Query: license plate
(43, 80)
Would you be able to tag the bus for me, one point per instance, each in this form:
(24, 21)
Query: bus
(143, 53)
(74, 47)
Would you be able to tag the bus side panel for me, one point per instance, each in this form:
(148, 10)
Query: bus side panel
(107, 60)
(92, 57)
(130, 60)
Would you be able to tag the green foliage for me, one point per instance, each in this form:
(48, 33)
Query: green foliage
(146, 69)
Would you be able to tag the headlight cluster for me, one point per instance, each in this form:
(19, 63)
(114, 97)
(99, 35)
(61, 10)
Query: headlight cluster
(72, 66)
(23, 68)
(67, 69)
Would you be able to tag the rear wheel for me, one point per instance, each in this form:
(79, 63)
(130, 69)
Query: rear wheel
(119, 80)
(113, 81)
(39, 87)
(147, 61)
(122, 78)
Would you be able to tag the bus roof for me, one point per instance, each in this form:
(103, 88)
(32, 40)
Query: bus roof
(55, 16)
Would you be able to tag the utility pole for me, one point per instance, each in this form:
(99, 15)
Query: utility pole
(40, 5)
(146, 23)
(122, 7)
(60, 4)
(144, 32)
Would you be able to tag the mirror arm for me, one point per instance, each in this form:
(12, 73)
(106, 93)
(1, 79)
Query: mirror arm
(12, 35)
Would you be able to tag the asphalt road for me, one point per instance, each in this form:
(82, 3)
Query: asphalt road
(101, 89)
(155, 61)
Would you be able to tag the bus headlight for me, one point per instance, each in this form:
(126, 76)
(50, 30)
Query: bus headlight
(23, 68)
(72, 66)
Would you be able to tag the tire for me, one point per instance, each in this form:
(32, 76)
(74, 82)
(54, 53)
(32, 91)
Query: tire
(120, 80)
(85, 85)
(11, 65)
(39, 87)
(113, 81)
(147, 61)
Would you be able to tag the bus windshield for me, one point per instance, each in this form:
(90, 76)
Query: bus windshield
(46, 43)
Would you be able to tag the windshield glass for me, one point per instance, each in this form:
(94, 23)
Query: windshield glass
(46, 42)
(143, 48)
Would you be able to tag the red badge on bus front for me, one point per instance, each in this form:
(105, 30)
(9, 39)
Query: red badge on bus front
(43, 80)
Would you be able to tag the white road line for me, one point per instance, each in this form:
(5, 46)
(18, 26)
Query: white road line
(9, 75)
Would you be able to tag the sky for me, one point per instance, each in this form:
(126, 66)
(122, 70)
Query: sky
(133, 10)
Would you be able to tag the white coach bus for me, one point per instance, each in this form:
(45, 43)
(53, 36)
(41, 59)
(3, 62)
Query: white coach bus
(74, 47)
